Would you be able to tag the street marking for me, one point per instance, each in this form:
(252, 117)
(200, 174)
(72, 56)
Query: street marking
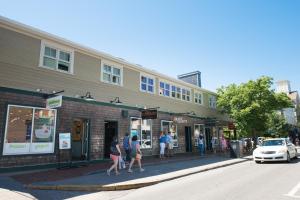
(294, 191)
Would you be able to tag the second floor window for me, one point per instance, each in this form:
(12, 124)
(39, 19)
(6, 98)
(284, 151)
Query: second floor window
(56, 58)
(111, 74)
(176, 92)
(164, 89)
(198, 98)
(147, 84)
(212, 102)
(186, 95)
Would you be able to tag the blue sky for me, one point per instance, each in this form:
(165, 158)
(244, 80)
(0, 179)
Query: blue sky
(228, 41)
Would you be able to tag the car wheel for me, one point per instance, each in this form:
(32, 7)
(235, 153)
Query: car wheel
(257, 161)
(288, 158)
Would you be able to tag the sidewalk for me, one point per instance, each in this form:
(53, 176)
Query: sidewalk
(94, 178)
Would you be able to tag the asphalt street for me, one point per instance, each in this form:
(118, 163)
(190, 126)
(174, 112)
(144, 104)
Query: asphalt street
(243, 181)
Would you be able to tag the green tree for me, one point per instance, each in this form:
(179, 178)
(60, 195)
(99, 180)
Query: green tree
(277, 124)
(250, 104)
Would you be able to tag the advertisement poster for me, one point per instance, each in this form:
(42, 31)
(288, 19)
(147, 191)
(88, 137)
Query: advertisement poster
(64, 140)
(44, 125)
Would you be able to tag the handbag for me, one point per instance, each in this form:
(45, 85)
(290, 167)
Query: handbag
(121, 163)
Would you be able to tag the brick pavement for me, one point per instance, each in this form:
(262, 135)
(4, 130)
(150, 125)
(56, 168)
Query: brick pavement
(67, 173)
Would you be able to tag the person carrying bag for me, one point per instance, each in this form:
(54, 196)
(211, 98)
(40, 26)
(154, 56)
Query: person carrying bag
(135, 154)
(115, 153)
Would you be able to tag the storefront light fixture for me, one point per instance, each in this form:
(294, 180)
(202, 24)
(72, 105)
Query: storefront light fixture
(116, 101)
(88, 97)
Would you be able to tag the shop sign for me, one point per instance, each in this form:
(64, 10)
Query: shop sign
(149, 114)
(64, 140)
(180, 120)
(54, 102)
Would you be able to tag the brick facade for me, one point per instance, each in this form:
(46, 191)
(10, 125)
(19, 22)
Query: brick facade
(97, 114)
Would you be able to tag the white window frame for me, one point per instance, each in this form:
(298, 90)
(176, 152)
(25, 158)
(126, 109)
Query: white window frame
(212, 101)
(161, 128)
(112, 65)
(196, 136)
(187, 90)
(164, 89)
(147, 83)
(58, 49)
(198, 93)
(176, 92)
(31, 143)
(141, 131)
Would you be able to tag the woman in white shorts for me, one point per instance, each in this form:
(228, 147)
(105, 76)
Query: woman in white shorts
(162, 145)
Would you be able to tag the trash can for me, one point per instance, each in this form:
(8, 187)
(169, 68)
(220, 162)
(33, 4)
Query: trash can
(236, 149)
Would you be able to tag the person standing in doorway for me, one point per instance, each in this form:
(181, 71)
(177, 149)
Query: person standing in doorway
(162, 145)
(201, 144)
(127, 147)
(115, 152)
(135, 154)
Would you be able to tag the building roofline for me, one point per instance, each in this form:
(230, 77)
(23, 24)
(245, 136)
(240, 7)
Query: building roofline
(29, 30)
(188, 74)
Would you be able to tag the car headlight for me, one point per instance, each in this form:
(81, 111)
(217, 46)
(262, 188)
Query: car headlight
(282, 150)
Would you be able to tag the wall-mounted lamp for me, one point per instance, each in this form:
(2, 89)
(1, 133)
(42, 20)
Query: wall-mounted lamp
(116, 101)
(88, 97)
(53, 94)
(192, 113)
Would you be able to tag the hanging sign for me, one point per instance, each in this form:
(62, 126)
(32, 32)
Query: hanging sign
(149, 114)
(54, 102)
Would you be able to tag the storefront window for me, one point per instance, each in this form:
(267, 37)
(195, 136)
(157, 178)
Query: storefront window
(198, 129)
(29, 130)
(169, 126)
(142, 128)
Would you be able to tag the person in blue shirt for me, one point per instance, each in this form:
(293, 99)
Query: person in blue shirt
(127, 147)
(162, 145)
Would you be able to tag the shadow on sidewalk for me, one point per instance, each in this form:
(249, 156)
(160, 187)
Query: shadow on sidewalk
(96, 174)
(151, 169)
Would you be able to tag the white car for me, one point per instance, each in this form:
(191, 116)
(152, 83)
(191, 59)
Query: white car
(277, 149)
(298, 151)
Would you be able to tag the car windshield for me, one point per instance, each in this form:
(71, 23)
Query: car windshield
(273, 143)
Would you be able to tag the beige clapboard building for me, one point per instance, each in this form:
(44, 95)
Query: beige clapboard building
(101, 96)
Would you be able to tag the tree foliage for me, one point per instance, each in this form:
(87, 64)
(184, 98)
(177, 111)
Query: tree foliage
(277, 124)
(250, 104)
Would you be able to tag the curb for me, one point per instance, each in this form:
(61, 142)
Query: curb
(116, 187)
